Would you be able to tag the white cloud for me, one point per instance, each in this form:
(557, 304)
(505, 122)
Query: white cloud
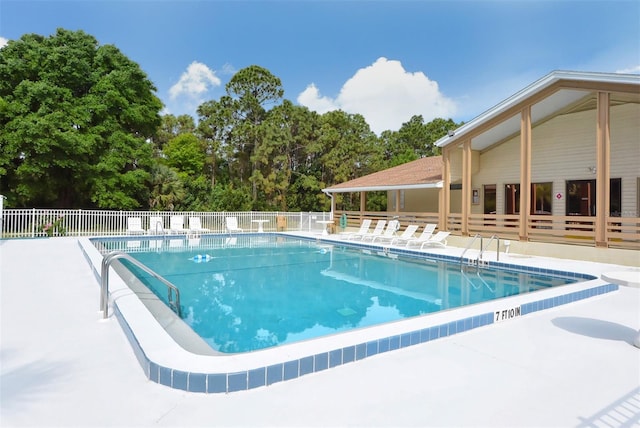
(228, 69)
(3, 42)
(630, 70)
(191, 90)
(386, 95)
(195, 82)
(312, 99)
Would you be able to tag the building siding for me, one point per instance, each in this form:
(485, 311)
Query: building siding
(564, 148)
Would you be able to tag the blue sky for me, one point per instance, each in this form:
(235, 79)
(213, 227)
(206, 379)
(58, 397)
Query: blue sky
(387, 60)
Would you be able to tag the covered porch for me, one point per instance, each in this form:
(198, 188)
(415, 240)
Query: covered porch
(555, 163)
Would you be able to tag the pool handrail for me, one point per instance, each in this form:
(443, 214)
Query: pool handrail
(476, 236)
(104, 282)
(483, 248)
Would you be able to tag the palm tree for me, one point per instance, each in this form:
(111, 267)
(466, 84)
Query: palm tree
(167, 190)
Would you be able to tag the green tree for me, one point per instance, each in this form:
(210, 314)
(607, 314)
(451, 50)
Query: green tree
(75, 119)
(214, 127)
(414, 140)
(228, 198)
(167, 190)
(171, 127)
(186, 154)
(253, 90)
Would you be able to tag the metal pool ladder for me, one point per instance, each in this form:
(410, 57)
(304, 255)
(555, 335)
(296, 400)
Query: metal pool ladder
(478, 260)
(476, 236)
(172, 290)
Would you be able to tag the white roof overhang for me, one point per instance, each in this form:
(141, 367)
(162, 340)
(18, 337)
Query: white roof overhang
(436, 185)
(542, 109)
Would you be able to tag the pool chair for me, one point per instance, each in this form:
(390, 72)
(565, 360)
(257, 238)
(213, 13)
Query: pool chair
(437, 240)
(232, 224)
(193, 240)
(134, 226)
(364, 228)
(389, 233)
(176, 243)
(196, 226)
(156, 226)
(406, 235)
(377, 231)
(426, 234)
(176, 224)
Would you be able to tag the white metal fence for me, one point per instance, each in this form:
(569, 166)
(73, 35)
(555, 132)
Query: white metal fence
(32, 223)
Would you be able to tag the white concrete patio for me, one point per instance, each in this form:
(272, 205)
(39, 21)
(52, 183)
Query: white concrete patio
(61, 365)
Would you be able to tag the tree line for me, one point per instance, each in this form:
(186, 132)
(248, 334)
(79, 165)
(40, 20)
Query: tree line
(81, 127)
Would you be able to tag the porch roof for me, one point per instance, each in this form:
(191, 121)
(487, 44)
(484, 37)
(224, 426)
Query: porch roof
(572, 92)
(423, 173)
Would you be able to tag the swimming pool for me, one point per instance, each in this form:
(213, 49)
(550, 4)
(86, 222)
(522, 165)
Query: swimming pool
(265, 291)
(173, 364)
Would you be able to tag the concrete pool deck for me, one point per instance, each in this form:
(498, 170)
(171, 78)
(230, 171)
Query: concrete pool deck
(61, 365)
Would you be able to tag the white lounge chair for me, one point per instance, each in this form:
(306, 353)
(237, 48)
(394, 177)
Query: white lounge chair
(437, 240)
(389, 233)
(156, 226)
(232, 224)
(193, 240)
(176, 243)
(377, 231)
(176, 224)
(195, 225)
(134, 226)
(426, 234)
(406, 235)
(364, 228)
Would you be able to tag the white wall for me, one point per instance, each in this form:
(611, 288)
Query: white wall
(564, 148)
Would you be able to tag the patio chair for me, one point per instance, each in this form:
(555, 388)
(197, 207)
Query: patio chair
(364, 228)
(426, 234)
(377, 231)
(176, 243)
(176, 224)
(437, 240)
(134, 226)
(156, 226)
(195, 225)
(193, 240)
(232, 224)
(389, 233)
(406, 235)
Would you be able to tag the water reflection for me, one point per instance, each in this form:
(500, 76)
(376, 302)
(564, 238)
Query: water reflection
(248, 297)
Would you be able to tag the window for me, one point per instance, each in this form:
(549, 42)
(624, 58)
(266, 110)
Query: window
(615, 197)
(540, 198)
(581, 197)
(512, 199)
(489, 198)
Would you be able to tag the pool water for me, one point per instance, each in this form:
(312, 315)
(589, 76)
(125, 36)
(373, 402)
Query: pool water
(259, 291)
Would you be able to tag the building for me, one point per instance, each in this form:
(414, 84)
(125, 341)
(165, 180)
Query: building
(558, 161)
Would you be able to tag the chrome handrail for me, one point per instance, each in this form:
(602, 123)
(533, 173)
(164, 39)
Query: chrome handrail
(485, 283)
(104, 281)
(477, 235)
(489, 243)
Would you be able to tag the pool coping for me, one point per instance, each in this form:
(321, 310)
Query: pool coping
(165, 362)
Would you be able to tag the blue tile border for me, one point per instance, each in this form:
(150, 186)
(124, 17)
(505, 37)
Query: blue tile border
(291, 369)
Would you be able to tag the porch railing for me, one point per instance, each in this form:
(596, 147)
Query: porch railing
(621, 232)
(354, 218)
(33, 223)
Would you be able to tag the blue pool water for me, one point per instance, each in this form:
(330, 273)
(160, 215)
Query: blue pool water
(256, 291)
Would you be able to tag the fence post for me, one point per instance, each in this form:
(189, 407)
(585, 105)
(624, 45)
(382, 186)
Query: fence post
(2, 198)
(33, 223)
